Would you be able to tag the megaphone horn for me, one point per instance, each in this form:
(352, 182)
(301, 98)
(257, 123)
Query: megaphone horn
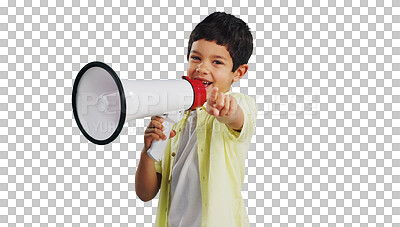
(102, 102)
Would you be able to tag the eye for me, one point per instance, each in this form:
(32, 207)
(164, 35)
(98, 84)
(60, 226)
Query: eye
(217, 62)
(195, 58)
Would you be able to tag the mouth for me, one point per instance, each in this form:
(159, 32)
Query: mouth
(205, 82)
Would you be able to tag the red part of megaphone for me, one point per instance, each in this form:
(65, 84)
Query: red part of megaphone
(200, 94)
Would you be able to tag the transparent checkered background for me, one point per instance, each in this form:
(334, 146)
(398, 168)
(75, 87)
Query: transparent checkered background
(325, 75)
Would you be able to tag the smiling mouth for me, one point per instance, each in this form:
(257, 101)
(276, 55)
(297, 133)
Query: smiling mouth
(206, 84)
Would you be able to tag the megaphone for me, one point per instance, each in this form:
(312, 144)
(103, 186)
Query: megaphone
(102, 103)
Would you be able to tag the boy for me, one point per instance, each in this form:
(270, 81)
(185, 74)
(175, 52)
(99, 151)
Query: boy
(201, 174)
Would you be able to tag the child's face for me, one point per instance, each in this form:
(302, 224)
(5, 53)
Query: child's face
(212, 64)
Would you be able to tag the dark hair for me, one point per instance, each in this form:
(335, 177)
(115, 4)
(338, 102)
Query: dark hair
(227, 30)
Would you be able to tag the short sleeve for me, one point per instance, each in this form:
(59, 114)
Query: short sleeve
(249, 108)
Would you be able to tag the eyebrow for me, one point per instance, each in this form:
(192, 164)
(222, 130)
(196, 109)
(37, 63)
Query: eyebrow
(214, 56)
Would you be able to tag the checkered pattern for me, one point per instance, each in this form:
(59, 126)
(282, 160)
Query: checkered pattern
(325, 75)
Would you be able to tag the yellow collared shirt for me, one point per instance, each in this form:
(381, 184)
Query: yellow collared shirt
(222, 152)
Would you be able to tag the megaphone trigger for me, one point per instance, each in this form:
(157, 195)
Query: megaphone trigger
(157, 148)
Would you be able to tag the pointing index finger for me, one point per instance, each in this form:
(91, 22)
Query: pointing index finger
(212, 99)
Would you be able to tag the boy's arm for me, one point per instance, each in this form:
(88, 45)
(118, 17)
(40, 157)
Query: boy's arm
(147, 180)
(225, 109)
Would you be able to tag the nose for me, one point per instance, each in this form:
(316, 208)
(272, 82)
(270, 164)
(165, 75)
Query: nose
(201, 68)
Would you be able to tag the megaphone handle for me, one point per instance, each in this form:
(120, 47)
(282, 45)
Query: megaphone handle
(156, 150)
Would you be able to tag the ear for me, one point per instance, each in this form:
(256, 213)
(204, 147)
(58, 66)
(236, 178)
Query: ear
(239, 73)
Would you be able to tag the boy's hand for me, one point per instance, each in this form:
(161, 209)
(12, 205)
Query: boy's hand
(154, 131)
(224, 108)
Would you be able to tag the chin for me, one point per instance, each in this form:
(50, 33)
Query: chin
(208, 90)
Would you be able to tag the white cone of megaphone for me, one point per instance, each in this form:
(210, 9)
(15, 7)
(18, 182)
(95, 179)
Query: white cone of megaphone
(102, 103)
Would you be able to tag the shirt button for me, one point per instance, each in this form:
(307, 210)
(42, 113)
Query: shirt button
(173, 154)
